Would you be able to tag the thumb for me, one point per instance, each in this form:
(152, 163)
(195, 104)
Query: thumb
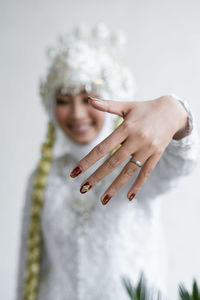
(115, 107)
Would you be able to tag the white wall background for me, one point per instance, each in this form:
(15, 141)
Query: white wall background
(164, 51)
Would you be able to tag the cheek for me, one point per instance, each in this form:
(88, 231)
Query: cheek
(97, 116)
(61, 114)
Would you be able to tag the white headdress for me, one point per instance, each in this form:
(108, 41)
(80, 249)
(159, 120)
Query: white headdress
(88, 58)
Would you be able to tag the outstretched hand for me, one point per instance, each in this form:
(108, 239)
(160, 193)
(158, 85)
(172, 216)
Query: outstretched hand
(147, 129)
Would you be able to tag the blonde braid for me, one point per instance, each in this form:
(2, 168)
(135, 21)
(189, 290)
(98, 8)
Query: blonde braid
(34, 241)
(117, 123)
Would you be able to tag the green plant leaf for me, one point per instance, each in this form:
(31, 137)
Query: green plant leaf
(195, 291)
(140, 291)
(183, 293)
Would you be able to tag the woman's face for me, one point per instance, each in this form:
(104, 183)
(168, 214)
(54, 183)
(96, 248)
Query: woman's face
(79, 120)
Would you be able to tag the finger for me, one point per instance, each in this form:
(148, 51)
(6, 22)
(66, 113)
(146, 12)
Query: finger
(145, 171)
(125, 175)
(99, 151)
(114, 107)
(106, 168)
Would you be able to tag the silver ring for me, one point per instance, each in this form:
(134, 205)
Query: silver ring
(135, 161)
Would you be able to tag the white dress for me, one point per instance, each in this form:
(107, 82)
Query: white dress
(88, 247)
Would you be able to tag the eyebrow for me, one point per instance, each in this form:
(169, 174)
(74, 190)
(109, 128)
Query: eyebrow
(63, 96)
(70, 95)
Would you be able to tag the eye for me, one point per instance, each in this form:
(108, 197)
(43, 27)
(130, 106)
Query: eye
(61, 101)
(85, 100)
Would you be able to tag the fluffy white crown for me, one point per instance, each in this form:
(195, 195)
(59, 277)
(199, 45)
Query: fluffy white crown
(88, 58)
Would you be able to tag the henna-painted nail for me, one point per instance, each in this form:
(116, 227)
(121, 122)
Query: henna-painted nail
(97, 100)
(75, 172)
(106, 199)
(94, 99)
(131, 196)
(85, 188)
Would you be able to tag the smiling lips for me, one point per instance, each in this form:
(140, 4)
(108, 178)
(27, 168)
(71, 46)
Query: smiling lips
(80, 128)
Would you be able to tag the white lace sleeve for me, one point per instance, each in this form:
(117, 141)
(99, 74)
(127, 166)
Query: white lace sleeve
(23, 238)
(179, 159)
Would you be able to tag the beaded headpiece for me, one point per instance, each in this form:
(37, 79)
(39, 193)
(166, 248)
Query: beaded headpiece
(88, 58)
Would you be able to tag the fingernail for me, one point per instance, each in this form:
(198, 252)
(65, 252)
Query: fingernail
(131, 196)
(95, 99)
(85, 188)
(106, 199)
(75, 172)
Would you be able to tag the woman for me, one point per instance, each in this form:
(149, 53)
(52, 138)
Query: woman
(73, 247)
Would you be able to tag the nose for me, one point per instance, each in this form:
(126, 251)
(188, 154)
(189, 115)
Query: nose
(79, 110)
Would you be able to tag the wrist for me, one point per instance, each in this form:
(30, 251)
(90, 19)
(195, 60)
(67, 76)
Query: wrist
(184, 122)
